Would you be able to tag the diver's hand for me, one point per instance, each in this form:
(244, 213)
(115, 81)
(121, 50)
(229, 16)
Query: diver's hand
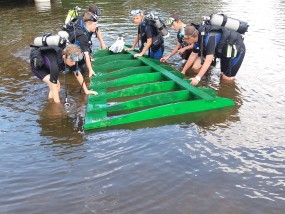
(104, 47)
(164, 59)
(137, 55)
(92, 73)
(195, 80)
(91, 92)
(129, 49)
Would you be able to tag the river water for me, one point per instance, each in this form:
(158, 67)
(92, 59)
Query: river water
(226, 161)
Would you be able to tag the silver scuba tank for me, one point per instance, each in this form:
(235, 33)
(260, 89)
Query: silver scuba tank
(161, 27)
(63, 34)
(47, 39)
(158, 24)
(227, 22)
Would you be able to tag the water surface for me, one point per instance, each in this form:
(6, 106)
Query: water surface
(225, 161)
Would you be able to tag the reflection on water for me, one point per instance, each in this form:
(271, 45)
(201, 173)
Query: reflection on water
(224, 161)
(43, 5)
(56, 122)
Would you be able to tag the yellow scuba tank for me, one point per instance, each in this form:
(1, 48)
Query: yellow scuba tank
(72, 14)
(227, 22)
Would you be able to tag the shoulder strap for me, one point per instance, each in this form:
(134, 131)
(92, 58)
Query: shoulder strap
(74, 33)
(195, 25)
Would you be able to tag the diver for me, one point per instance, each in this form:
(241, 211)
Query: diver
(80, 35)
(47, 62)
(149, 34)
(182, 48)
(210, 42)
(74, 17)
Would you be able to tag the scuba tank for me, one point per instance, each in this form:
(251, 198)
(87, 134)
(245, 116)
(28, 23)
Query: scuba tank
(227, 22)
(158, 24)
(72, 14)
(63, 34)
(47, 39)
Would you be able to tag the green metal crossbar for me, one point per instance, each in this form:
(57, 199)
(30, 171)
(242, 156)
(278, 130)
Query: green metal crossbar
(130, 80)
(132, 90)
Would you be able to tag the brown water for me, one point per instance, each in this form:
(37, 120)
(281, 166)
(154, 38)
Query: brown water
(226, 161)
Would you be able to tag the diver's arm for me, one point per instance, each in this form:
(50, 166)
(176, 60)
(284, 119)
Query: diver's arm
(81, 81)
(145, 49)
(188, 47)
(189, 62)
(88, 64)
(174, 51)
(203, 70)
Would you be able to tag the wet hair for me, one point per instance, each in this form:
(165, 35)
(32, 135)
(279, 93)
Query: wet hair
(93, 8)
(89, 16)
(176, 16)
(70, 50)
(142, 12)
(190, 31)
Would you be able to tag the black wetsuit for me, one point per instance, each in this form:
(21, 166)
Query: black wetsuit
(52, 63)
(229, 66)
(180, 35)
(81, 37)
(146, 31)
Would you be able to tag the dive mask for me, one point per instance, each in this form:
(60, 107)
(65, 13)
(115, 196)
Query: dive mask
(76, 57)
(169, 21)
(136, 12)
(98, 12)
(94, 18)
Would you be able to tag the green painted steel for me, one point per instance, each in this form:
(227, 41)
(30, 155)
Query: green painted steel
(161, 111)
(133, 90)
(130, 80)
(148, 88)
(112, 58)
(180, 82)
(152, 100)
(125, 72)
(113, 65)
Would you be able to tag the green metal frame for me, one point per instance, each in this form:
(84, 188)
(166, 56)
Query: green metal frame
(137, 89)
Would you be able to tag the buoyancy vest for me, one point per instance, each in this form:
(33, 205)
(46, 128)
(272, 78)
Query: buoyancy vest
(157, 39)
(78, 30)
(229, 44)
(75, 33)
(76, 21)
(36, 55)
(142, 34)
